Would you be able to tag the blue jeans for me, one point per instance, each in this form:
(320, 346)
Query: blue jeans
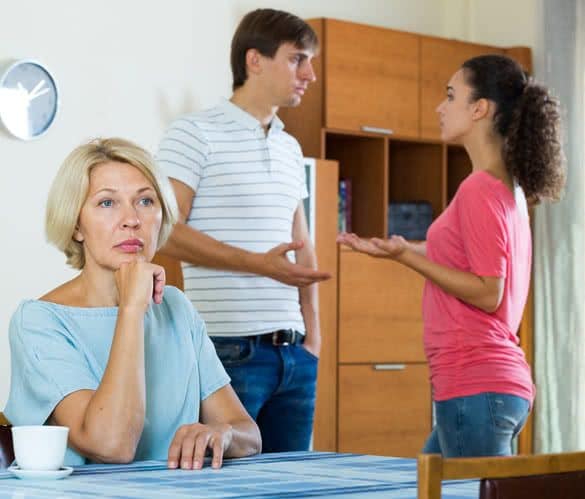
(478, 425)
(277, 386)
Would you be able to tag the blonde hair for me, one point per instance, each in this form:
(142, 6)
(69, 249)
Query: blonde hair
(69, 191)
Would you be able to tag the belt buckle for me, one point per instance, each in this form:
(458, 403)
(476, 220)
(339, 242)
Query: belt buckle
(276, 339)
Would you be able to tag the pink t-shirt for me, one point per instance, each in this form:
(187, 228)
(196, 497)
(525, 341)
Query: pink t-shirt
(484, 230)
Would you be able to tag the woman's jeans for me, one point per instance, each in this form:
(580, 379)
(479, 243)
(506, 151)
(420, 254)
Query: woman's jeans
(478, 425)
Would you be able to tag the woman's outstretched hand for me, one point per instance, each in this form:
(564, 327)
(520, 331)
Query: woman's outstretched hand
(380, 248)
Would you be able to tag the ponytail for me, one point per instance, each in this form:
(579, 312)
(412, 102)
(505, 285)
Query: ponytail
(528, 118)
(533, 150)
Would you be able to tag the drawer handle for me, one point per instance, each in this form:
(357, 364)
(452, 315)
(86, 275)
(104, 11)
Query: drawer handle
(389, 367)
(375, 129)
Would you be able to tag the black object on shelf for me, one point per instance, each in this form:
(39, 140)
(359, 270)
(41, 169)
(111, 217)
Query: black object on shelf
(410, 219)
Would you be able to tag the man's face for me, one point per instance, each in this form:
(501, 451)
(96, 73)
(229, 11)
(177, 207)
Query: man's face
(286, 76)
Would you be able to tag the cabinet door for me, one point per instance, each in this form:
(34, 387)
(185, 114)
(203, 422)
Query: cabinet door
(384, 409)
(380, 318)
(440, 58)
(372, 77)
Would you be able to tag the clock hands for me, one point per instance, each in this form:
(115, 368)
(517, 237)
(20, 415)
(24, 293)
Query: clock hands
(38, 90)
(35, 92)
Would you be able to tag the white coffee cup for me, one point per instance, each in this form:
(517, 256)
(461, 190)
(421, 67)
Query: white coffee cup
(39, 447)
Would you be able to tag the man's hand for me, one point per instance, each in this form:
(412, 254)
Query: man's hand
(312, 347)
(192, 441)
(276, 265)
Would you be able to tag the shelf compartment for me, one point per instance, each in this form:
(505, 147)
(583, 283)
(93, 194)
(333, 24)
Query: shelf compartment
(417, 173)
(362, 160)
(458, 168)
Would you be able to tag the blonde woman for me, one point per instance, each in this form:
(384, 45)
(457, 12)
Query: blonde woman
(113, 354)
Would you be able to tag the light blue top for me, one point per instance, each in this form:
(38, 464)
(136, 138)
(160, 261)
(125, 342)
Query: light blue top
(57, 350)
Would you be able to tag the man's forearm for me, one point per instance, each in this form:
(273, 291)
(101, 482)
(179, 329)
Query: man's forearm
(192, 246)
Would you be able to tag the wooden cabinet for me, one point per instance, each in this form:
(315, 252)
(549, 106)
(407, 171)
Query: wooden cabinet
(369, 76)
(439, 59)
(384, 409)
(362, 65)
(370, 330)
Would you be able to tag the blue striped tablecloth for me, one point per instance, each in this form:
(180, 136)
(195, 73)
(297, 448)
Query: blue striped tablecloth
(294, 474)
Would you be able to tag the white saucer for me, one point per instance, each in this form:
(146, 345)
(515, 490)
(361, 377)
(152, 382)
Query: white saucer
(41, 475)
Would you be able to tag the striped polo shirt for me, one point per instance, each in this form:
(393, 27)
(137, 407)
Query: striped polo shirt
(248, 185)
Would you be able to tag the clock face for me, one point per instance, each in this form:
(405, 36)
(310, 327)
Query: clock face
(28, 99)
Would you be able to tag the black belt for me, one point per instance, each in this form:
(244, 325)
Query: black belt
(282, 337)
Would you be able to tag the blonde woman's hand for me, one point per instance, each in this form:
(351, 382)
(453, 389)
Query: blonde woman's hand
(138, 283)
(193, 441)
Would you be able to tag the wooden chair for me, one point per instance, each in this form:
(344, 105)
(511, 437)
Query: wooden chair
(6, 447)
(545, 476)
(173, 270)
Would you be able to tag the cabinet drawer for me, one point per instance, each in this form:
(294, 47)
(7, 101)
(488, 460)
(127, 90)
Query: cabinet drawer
(384, 412)
(372, 77)
(380, 318)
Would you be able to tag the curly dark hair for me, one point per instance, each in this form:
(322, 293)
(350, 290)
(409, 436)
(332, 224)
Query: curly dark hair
(529, 120)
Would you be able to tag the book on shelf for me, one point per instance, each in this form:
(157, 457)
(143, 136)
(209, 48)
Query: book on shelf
(344, 207)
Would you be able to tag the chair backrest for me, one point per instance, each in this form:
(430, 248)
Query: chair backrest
(544, 476)
(6, 447)
(173, 270)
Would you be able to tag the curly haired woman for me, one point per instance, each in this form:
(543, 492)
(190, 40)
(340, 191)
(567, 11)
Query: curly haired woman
(477, 256)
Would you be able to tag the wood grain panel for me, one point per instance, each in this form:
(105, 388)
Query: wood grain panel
(325, 427)
(526, 335)
(380, 317)
(523, 55)
(371, 78)
(362, 159)
(305, 121)
(384, 412)
(440, 58)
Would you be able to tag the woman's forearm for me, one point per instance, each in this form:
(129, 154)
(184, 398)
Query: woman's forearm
(114, 418)
(246, 439)
(468, 287)
(419, 247)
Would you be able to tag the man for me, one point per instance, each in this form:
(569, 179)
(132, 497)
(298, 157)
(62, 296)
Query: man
(239, 181)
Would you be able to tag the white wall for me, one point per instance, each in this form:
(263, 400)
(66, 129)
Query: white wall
(128, 67)
(504, 22)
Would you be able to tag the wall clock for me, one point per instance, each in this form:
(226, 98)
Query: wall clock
(29, 98)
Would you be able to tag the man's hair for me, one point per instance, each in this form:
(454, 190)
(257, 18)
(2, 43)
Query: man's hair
(266, 30)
